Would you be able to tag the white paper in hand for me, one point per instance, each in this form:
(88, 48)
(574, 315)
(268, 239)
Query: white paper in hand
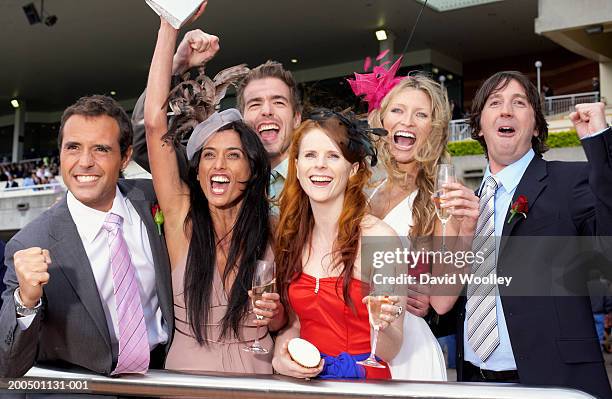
(176, 12)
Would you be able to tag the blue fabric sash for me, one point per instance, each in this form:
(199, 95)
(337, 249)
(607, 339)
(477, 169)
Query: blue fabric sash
(343, 366)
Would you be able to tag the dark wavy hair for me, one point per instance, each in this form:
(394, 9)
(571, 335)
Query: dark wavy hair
(250, 236)
(498, 82)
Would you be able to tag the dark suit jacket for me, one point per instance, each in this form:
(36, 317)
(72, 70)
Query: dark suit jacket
(553, 337)
(70, 330)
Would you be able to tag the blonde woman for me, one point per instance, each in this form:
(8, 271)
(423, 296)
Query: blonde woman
(415, 112)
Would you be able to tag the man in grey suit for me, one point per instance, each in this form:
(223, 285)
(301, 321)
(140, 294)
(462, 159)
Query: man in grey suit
(65, 301)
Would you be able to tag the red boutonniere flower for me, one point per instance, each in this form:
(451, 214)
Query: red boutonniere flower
(158, 217)
(520, 206)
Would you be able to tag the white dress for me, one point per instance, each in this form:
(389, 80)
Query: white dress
(420, 357)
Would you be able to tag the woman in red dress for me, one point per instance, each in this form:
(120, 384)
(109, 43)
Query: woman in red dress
(322, 220)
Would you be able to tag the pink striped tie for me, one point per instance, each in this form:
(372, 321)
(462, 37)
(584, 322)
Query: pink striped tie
(133, 340)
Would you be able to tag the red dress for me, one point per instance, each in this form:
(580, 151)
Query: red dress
(330, 324)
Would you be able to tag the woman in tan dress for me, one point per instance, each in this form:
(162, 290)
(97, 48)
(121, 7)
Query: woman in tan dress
(214, 241)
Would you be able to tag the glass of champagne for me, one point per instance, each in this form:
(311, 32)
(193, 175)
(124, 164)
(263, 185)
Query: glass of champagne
(375, 303)
(445, 175)
(264, 280)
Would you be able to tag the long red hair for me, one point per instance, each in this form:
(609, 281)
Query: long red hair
(296, 221)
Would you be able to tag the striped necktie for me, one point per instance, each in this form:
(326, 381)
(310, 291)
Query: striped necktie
(133, 339)
(481, 314)
(274, 177)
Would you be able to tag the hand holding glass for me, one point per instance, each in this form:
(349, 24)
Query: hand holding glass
(445, 175)
(264, 281)
(375, 303)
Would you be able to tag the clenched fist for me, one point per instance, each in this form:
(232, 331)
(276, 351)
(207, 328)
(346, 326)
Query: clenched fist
(195, 49)
(31, 267)
(589, 118)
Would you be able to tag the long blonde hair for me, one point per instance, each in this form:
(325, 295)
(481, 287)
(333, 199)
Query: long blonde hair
(428, 154)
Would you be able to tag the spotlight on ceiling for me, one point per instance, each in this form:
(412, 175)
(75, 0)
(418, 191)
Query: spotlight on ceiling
(31, 14)
(51, 20)
(35, 17)
(381, 35)
(15, 103)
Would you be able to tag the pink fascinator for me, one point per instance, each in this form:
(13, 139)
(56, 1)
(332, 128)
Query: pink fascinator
(375, 86)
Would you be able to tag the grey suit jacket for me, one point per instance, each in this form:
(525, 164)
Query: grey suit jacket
(71, 331)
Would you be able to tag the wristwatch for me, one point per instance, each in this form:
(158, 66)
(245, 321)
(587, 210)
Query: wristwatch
(23, 310)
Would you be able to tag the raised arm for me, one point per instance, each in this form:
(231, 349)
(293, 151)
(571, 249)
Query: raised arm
(196, 48)
(596, 138)
(172, 193)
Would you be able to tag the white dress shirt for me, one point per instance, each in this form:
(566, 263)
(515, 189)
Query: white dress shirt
(89, 223)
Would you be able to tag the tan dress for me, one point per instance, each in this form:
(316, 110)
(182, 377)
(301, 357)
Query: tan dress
(219, 355)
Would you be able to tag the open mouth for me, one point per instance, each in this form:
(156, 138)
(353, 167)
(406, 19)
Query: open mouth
(268, 131)
(219, 184)
(404, 139)
(320, 181)
(86, 178)
(506, 130)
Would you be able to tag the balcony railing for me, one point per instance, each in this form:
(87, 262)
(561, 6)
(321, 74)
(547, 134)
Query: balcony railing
(459, 130)
(563, 104)
(158, 383)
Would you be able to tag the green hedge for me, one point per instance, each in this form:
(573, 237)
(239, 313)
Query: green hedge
(563, 139)
(555, 140)
(467, 147)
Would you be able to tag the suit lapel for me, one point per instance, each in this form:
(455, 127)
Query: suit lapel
(531, 186)
(160, 258)
(69, 254)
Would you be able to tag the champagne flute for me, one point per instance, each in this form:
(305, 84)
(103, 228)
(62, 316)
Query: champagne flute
(375, 303)
(445, 175)
(264, 280)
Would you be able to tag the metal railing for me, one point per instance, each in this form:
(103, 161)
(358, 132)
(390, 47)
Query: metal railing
(23, 161)
(158, 383)
(32, 190)
(561, 104)
(459, 130)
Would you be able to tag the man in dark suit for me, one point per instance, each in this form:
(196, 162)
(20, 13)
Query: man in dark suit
(11, 183)
(541, 339)
(65, 303)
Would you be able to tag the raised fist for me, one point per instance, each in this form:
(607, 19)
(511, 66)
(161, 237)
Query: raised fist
(196, 48)
(589, 118)
(31, 268)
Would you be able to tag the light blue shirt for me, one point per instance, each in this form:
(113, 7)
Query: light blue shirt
(508, 179)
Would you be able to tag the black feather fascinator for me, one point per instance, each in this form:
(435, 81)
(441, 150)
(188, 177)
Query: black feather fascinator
(360, 134)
